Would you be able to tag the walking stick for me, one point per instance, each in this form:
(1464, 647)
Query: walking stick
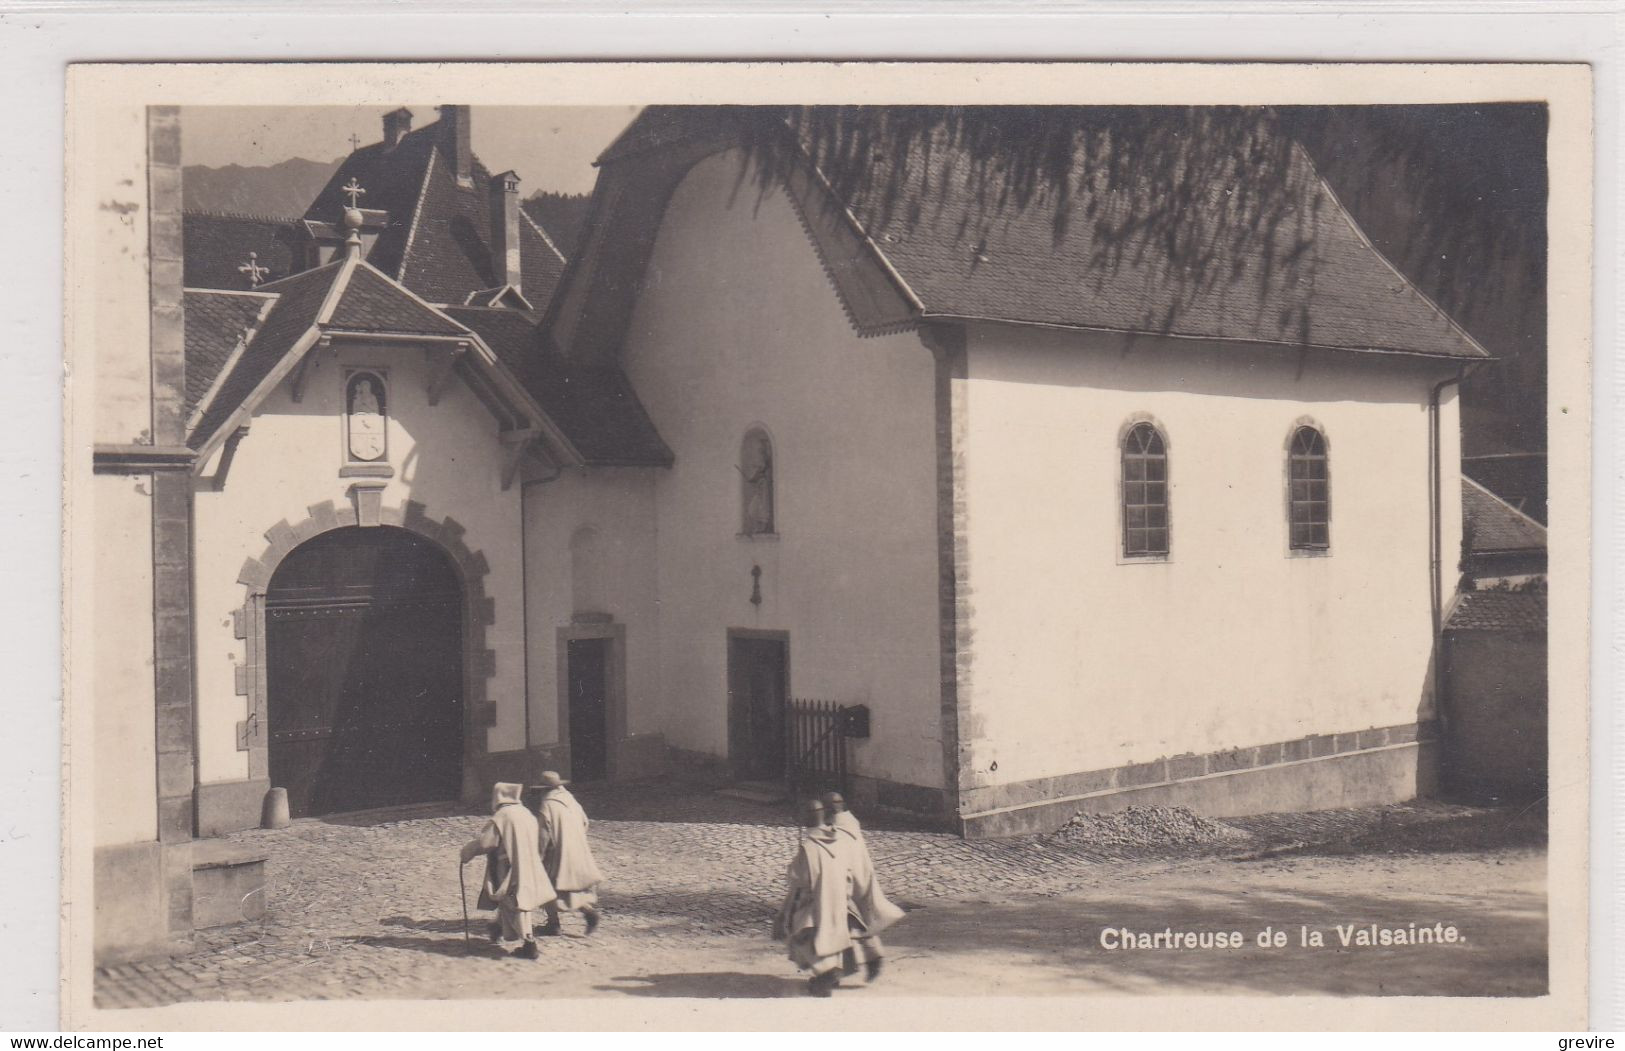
(462, 886)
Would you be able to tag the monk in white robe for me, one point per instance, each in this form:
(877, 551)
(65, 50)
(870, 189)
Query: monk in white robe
(868, 900)
(515, 883)
(817, 920)
(566, 854)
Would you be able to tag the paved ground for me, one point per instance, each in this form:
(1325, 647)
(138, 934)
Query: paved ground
(368, 906)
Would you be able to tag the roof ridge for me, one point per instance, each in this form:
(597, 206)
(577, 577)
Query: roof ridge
(1527, 520)
(1348, 217)
(257, 217)
(417, 211)
(547, 240)
(300, 274)
(336, 290)
(235, 291)
(244, 338)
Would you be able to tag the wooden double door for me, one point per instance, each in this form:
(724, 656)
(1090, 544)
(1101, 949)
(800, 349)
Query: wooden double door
(364, 648)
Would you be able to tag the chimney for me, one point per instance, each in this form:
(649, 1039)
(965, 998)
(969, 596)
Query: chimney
(505, 228)
(396, 126)
(456, 144)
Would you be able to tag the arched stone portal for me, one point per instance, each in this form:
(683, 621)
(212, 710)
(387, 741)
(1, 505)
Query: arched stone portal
(363, 632)
(476, 661)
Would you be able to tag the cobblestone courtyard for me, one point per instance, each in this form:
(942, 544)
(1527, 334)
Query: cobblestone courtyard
(367, 906)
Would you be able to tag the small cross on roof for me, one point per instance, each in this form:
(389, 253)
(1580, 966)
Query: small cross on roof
(355, 191)
(355, 142)
(256, 273)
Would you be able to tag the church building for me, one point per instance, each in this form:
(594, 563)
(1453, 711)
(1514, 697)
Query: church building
(1054, 525)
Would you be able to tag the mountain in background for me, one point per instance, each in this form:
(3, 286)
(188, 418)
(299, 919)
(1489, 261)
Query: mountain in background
(282, 190)
(285, 190)
(562, 215)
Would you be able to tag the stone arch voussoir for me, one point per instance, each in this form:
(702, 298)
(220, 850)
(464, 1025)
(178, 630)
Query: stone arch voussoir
(479, 614)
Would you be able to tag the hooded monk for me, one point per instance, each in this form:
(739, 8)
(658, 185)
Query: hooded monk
(566, 854)
(817, 919)
(868, 900)
(515, 883)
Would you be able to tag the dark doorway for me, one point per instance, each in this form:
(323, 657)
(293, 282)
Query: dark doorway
(758, 688)
(364, 670)
(589, 708)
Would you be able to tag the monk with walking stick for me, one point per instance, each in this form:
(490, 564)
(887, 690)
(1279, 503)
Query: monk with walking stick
(515, 883)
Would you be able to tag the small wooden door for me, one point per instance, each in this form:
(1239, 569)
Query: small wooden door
(758, 690)
(589, 708)
(364, 670)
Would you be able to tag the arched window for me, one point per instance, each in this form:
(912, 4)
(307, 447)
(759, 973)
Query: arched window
(756, 484)
(366, 418)
(1145, 493)
(1309, 498)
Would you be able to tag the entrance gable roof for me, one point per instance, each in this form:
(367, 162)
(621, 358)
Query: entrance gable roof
(350, 297)
(293, 317)
(372, 303)
(217, 323)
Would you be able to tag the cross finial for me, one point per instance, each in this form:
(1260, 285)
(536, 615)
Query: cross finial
(355, 142)
(355, 191)
(256, 273)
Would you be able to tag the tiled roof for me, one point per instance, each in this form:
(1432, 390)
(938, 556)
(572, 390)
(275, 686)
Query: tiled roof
(1314, 280)
(1493, 525)
(214, 321)
(216, 244)
(967, 253)
(437, 241)
(393, 179)
(595, 407)
(511, 334)
(299, 301)
(541, 264)
(1498, 611)
(370, 303)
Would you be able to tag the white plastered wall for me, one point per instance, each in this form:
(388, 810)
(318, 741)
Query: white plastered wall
(590, 548)
(1084, 660)
(446, 456)
(737, 326)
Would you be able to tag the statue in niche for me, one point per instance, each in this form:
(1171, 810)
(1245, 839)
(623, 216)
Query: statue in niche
(756, 472)
(366, 418)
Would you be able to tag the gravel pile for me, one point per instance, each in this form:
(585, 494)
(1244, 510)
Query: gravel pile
(1148, 826)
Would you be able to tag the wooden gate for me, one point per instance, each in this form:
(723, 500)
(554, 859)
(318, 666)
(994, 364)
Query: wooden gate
(816, 745)
(364, 668)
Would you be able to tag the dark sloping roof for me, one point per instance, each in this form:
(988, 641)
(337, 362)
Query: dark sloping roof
(595, 407)
(1493, 525)
(1312, 280)
(393, 179)
(1499, 611)
(214, 322)
(216, 244)
(957, 249)
(371, 303)
(511, 334)
(541, 263)
(599, 410)
(299, 301)
(438, 239)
